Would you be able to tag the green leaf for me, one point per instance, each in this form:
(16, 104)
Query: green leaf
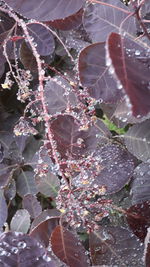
(112, 127)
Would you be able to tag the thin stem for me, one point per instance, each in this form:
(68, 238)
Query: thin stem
(41, 76)
(137, 14)
(106, 4)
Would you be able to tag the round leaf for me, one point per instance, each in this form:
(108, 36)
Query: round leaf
(31, 204)
(116, 167)
(42, 37)
(67, 248)
(46, 10)
(26, 183)
(43, 231)
(129, 64)
(94, 75)
(140, 187)
(70, 139)
(48, 185)
(137, 140)
(17, 249)
(138, 219)
(20, 221)
(100, 20)
(3, 209)
(115, 246)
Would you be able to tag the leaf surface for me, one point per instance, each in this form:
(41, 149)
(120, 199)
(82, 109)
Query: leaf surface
(20, 221)
(48, 185)
(46, 9)
(43, 230)
(137, 140)
(42, 37)
(116, 167)
(129, 63)
(140, 187)
(3, 209)
(115, 246)
(26, 183)
(67, 248)
(94, 74)
(58, 95)
(100, 20)
(68, 23)
(138, 219)
(70, 139)
(17, 249)
(32, 205)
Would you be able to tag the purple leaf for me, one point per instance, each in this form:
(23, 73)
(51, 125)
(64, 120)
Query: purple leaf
(26, 183)
(6, 173)
(46, 10)
(123, 113)
(140, 188)
(17, 249)
(146, 257)
(45, 215)
(6, 139)
(7, 22)
(20, 221)
(43, 231)
(70, 139)
(21, 141)
(68, 248)
(68, 23)
(48, 184)
(115, 246)
(145, 8)
(100, 20)
(58, 95)
(137, 140)
(138, 219)
(10, 190)
(116, 167)
(75, 39)
(3, 209)
(27, 58)
(2, 69)
(13, 46)
(31, 204)
(14, 153)
(31, 147)
(42, 37)
(129, 63)
(94, 75)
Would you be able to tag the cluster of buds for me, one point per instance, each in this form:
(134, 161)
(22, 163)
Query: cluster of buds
(24, 127)
(23, 79)
(83, 207)
(8, 81)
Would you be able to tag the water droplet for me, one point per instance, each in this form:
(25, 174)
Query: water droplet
(14, 250)
(108, 61)
(22, 244)
(137, 52)
(97, 248)
(46, 258)
(3, 252)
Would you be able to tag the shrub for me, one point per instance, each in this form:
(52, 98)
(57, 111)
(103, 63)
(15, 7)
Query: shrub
(74, 133)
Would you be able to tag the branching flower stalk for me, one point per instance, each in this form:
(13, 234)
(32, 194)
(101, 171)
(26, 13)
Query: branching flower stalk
(71, 200)
(41, 78)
